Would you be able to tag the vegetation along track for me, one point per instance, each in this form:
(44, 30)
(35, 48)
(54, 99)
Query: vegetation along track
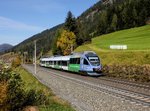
(133, 93)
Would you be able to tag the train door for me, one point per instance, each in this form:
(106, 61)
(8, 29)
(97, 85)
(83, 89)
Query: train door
(85, 64)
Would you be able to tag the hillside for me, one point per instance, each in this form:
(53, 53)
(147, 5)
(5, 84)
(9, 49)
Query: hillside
(137, 40)
(4, 47)
(44, 42)
(103, 17)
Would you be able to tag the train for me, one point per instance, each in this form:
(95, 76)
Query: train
(86, 62)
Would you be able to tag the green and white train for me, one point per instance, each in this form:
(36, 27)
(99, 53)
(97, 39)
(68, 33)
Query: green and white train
(86, 63)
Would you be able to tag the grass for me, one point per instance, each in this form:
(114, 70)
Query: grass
(56, 104)
(137, 40)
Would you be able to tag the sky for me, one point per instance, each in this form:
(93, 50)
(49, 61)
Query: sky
(21, 19)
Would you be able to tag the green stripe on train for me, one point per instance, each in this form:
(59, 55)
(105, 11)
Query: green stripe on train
(74, 67)
(47, 65)
(57, 66)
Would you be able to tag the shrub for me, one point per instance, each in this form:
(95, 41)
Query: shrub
(132, 72)
(16, 62)
(3, 95)
(13, 95)
(16, 93)
(35, 98)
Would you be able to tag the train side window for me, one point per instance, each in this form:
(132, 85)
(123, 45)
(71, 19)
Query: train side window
(64, 63)
(58, 62)
(75, 61)
(71, 61)
(78, 60)
(54, 62)
(85, 62)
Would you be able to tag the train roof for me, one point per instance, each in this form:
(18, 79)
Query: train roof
(44, 59)
(86, 53)
(63, 58)
(73, 55)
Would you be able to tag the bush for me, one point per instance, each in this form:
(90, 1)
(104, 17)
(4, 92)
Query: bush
(3, 95)
(132, 72)
(35, 98)
(13, 95)
(16, 62)
(16, 93)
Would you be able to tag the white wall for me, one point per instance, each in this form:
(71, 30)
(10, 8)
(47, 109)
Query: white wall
(118, 46)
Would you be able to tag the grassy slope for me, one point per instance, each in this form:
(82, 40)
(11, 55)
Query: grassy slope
(56, 104)
(137, 39)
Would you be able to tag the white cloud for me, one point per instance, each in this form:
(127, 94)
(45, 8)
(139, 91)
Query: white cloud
(6, 23)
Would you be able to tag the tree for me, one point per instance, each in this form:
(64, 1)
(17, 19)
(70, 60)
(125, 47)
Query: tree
(142, 17)
(102, 25)
(114, 22)
(56, 50)
(134, 15)
(66, 41)
(70, 23)
(16, 62)
(73, 25)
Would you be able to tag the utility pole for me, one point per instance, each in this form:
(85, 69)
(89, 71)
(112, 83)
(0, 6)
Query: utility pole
(35, 57)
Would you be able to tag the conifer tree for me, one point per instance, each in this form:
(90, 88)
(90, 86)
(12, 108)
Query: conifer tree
(70, 23)
(114, 23)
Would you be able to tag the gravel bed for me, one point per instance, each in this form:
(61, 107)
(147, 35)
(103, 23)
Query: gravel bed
(82, 97)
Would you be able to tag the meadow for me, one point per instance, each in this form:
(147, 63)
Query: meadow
(136, 39)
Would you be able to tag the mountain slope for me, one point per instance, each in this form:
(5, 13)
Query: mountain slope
(111, 15)
(134, 38)
(103, 17)
(137, 40)
(44, 42)
(4, 47)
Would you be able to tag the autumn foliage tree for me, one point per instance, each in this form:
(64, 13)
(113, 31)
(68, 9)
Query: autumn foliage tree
(16, 62)
(66, 41)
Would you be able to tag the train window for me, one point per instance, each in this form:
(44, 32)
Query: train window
(85, 62)
(78, 61)
(59, 62)
(71, 61)
(64, 63)
(54, 62)
(94, 60)
(75, 61)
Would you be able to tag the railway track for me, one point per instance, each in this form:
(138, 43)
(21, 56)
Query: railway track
(107, 86)
(124, 82)
(125, 94)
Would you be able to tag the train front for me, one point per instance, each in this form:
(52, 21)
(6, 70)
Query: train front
(92, 64)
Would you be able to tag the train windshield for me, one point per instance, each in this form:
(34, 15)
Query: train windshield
(94, 61)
